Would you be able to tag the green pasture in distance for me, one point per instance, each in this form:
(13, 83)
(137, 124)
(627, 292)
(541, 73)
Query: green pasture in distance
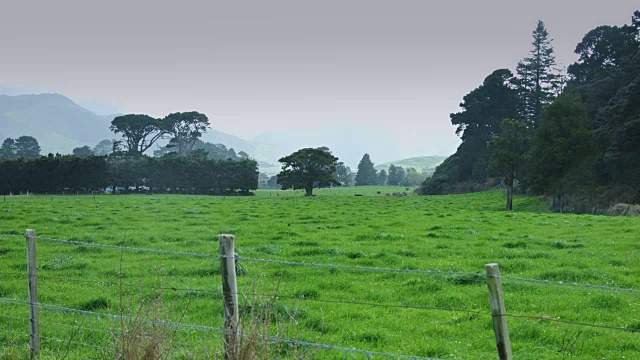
(420, 314)
(342, 191)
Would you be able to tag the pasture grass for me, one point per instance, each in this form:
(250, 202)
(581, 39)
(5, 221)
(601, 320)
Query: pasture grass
(393, 312)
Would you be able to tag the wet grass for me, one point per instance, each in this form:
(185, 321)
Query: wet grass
(460, 233)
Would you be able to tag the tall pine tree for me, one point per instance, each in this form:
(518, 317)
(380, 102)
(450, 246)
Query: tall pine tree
(537, 77)
(367, 174)
(382, 178)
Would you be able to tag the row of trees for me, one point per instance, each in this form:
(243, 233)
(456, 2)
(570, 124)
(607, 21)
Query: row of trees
(396, 176)
(311, 168)
(22, 147)
(167, 174)
(213, 151)
(185, 164)
(140, 132)
(572, 137)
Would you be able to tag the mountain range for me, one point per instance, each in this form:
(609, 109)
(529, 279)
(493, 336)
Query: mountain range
(60, 124)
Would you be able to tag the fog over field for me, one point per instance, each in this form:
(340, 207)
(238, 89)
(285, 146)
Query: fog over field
(298, 74)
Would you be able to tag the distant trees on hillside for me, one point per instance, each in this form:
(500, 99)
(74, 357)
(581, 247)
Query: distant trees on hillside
(22, 147)
(104, 147)
(413, 177)
(382, 178)
(8, 149)
(398, 176)
(139, 131)
(218, 151)
(185, 129)
(82, 151)
(344, 174)
(186, 164)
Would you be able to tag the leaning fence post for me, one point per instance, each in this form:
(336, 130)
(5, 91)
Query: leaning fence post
(230, 292)
(498, 312)
(34, 330)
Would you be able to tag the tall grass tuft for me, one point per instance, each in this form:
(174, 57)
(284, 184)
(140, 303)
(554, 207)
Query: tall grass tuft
(144, 332)
(261, 322)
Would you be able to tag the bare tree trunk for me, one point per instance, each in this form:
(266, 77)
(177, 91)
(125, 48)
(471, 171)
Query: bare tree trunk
(509, 183)
(510, 196)
(309, 190)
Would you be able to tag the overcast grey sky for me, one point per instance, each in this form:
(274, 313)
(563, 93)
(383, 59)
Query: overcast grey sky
(398, 67)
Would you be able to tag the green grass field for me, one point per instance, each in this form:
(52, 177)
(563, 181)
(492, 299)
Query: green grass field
(390, 312)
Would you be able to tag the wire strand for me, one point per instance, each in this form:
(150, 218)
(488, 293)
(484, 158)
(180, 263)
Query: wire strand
(361, 268)
(129, 284)
(542, 318)
(111, 316)
(415, 307)
(128, 248)
(14, 317)
(72, 342)
(75, 326)
(332, 266)
(574, 284)
(11, 235)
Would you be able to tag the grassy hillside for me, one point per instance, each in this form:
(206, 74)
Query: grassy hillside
(419, 163)
(55, 121)
(427, 314)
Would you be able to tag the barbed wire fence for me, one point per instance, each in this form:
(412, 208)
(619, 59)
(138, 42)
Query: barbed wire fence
(93, 334)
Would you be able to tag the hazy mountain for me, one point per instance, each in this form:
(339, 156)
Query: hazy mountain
(54, 120)
(97, 106)
(59, 124)
(230, 141)
(349, 144)
(427, 163)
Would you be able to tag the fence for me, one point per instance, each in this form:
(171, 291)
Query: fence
(89, 331)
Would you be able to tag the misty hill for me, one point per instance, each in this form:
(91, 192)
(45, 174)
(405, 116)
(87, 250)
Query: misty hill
(428, 163)
(348, 143)
(59, 124)
(54, 120)
(230, 141)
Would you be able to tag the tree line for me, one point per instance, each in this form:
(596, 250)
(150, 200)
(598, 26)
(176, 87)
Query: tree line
(571, 135)
(311, 168)
(185, 165)
(395, 176)
(193, 174)
(22, 147)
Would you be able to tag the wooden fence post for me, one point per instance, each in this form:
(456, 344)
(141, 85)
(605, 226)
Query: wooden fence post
(230, 292)
(34, 329)
(498, 312)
